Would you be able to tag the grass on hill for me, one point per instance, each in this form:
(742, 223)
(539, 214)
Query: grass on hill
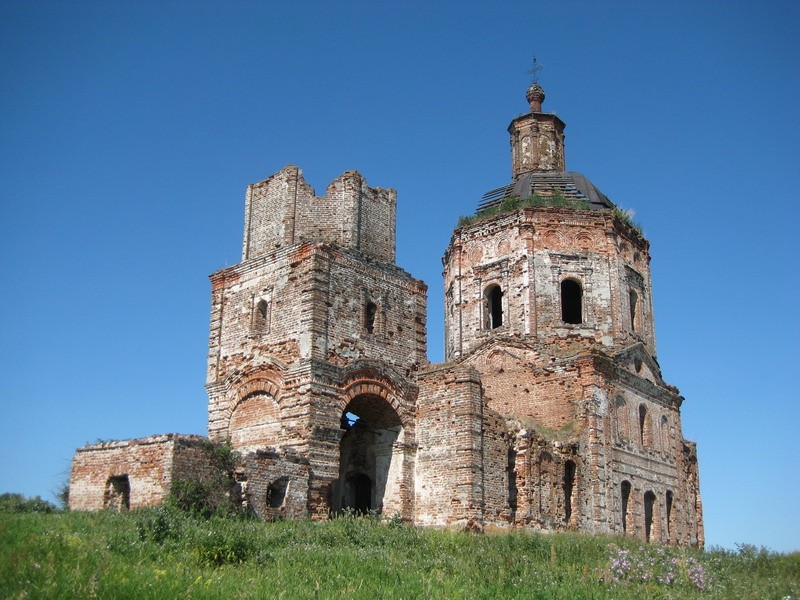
(165, 553)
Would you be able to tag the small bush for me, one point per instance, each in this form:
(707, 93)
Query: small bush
(224, 543)
(159, 524)
(63, 495)
(194, 497)
(224, 456)
(395, 521)
(210, 494)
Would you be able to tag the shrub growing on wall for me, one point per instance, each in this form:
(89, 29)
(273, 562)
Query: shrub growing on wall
(213, 492)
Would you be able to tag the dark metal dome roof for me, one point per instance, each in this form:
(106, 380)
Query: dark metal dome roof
(573, 186)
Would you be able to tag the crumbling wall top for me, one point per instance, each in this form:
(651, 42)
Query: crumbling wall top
(284, 210)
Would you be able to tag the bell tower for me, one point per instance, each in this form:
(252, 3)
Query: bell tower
(316, 323)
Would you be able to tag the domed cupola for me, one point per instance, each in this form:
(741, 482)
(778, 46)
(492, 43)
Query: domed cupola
(537, 139)
(538, 163)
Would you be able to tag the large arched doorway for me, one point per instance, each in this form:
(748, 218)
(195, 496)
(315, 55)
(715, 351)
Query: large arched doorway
(371, 457)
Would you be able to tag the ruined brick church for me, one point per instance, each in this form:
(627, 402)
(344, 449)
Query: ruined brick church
(549, 412)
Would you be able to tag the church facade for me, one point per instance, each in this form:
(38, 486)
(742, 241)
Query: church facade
(549, 412)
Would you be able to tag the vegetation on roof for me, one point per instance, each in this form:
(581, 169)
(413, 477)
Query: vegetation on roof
(510, 203)
(555, 200)
(626, 216)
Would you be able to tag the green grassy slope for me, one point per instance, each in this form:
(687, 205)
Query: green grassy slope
(163, 553)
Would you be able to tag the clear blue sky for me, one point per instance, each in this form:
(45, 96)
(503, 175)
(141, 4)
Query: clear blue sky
(129, 132)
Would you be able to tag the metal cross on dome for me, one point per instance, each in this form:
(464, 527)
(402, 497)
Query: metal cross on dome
(534, 70)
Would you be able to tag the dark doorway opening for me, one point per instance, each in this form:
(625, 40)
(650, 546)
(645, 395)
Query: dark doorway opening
(512, 480)
(370, 310)
(361, 493)
(632, 300)
(669, 515)
(643, 430)
(276, 492)
(118, 493)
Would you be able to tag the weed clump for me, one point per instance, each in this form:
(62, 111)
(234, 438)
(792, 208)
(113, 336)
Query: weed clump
(626, 216)
(221, 543)
(159, 524)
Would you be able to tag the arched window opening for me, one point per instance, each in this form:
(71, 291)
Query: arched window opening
(493, 303)
(512, 479)
(621, 420)
(118, 493)
(645, 434)
(626, 495)
(670, 527)
(569, 486)
(276, 492)
(571, 302)
(260, 321)
(633, 299)
(649, 510)
(370, 310)
(546, 485)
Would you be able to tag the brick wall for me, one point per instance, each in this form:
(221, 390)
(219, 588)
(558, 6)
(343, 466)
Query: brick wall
(275, 484)
(528, 253)
(449, 475)
(499, 470)
(148, 466)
